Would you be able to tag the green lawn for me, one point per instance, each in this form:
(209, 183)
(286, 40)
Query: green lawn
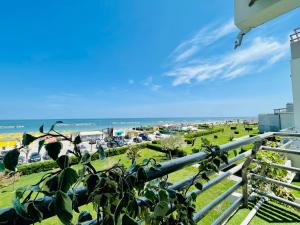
(269, 213)
(6, 194)
(294, 192)
(223, 137)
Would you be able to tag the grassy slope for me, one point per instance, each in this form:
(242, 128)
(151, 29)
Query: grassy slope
(269, 213)
(203, 199)
(294, 192)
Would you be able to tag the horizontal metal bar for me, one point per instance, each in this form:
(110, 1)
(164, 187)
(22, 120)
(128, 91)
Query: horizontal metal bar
(186, 182)
(279, 166)
(218, 179)
(281, 150)
(287, 144)
(228, 212)
(177, 164)
(293, 204)
(199, 215)
(286, 134)
(253, 212)
(262, 178)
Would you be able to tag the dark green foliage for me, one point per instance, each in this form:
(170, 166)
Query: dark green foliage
(10, 160)
(63, 207)
(84, 216)
(28, 139)
(113, 192)
(192, 135)
(53, 149)
(156, 147)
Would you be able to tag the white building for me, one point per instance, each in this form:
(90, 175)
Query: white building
(281, 119)
(91, 135)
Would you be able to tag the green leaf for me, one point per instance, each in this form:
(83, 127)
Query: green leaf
(63, 206)
(141, 175)
(149, 194)
(199, 186)
(20, 192)
(63, 161)
(33, 212)
(53, 126)
(235, 152)
(10, 159)
(20, 209)
(28, 139)
(41, 144)
(67, 178)
(86, 158)
(122, 204)
(108, 219)
(34, 188)
(161, 209)
(217, 162)
(77, 140)
(194, 196)
(225, 159)
(53, 149)
(101, 152)
(41, 129)
(2, 167)
(84, 216)
(128, 220)
(91, 182)
(163, 195)
(51, 184)
(205, 177)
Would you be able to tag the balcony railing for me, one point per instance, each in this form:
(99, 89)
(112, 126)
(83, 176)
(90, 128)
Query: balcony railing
(295, 37)
(236, 164)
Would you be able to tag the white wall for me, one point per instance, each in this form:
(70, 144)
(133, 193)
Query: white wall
(295, 64)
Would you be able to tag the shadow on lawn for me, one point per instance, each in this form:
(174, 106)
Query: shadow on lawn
(273, 213)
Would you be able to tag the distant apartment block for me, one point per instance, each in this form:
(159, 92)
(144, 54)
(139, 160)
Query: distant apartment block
(281, 119)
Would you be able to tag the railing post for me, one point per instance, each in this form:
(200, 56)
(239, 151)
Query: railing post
(246, 164)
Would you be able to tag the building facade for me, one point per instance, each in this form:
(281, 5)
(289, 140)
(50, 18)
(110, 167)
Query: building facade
(280, 119)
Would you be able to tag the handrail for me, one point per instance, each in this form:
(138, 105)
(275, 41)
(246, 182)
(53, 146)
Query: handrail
(10, 216)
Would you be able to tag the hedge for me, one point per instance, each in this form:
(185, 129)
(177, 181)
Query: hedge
(37, 167)
(190, 136)
(158, 148)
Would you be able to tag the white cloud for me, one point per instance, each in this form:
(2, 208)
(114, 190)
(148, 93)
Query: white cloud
(257, 56)
(149, 83)
(205, 37)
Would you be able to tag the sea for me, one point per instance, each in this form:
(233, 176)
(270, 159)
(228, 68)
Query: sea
(20, 126)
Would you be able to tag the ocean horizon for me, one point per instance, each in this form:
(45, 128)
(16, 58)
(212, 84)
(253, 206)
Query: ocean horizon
(32, 125)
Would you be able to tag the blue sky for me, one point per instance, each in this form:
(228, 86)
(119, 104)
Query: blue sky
(138, 58)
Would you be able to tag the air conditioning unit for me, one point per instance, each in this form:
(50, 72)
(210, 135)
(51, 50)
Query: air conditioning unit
(252, 13)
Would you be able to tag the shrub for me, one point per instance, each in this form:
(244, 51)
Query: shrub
(38, 167)
(233, 128)
(195, 150)
(155, 147)
(189, 141)
(216, 137)
(236, 132)
(202, 133)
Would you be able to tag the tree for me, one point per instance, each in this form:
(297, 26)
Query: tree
(133, 153)
(172, 143)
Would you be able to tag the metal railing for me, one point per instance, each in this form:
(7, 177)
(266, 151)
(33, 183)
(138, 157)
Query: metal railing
(238, 163)
(295, 37)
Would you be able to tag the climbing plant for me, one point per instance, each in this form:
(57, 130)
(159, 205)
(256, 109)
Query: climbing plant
(118, 195)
